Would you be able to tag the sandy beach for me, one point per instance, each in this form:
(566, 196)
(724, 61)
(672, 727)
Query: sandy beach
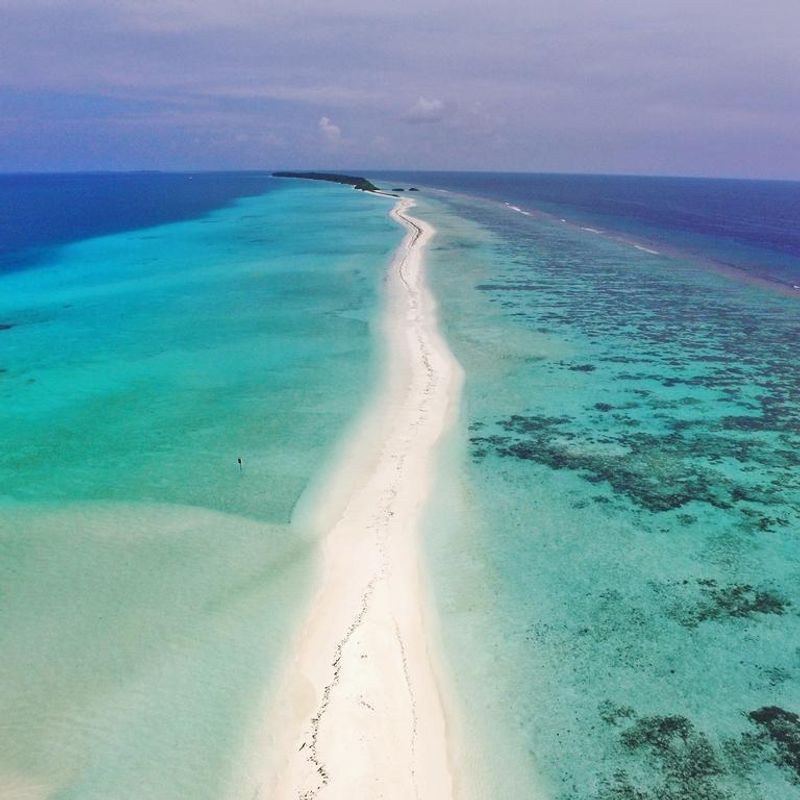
(359, 712)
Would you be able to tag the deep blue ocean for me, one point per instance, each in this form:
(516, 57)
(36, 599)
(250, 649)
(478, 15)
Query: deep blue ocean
(39, 212)
(749, 224)
(754, 225)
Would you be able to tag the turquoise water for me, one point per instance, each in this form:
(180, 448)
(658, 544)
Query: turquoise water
(148, 584)
(614, 549)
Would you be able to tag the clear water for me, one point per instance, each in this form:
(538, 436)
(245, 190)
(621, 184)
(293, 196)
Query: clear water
(747, 224)
(614, 550)
(40, 212)
(613, 544)
(148, 584)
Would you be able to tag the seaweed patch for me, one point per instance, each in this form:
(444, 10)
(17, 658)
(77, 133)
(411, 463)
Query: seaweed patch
(684, 765)
(582, 368)
(725, 602)
(782, 729)
(658, 471)
(668, 758)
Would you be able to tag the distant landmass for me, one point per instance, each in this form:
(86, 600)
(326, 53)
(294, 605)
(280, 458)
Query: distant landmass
(350, 180)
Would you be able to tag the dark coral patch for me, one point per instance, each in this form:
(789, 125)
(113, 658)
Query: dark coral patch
(582, 368)
(734, 601)
(783, 729)
(682, 763)
(656, 486)
(613, 714)
(657, 733)
(659, 471)
(518, 423)
(739, 600)
(686, 763)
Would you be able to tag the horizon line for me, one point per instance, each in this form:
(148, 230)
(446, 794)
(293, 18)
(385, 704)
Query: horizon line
(378, 171)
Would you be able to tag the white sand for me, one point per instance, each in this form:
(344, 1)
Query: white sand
(360, 714)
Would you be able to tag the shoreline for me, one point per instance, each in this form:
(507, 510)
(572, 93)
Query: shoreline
(359, 712)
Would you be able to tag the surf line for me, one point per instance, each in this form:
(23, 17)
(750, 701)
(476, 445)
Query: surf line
(366, 715)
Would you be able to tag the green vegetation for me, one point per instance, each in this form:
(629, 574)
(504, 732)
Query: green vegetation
(349, 180)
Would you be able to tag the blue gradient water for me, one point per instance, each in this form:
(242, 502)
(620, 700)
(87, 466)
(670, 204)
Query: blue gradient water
(614, 547)
(148, 584)
(613, 544)
(748, 224)
(41, 212)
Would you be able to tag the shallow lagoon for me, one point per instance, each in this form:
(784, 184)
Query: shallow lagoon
(149, 585)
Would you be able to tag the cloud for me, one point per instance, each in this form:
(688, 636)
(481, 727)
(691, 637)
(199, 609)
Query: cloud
(425, 110)
(680, 85)
(332, 133)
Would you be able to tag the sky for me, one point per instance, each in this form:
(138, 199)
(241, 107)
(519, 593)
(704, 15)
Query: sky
(680, 87)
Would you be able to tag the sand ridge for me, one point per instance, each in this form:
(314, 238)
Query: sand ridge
(360, 714)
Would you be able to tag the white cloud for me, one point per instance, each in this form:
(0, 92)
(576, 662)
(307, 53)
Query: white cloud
(331, 132)
(426, 110)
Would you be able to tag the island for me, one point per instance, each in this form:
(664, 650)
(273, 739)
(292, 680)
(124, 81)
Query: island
(362, 184)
